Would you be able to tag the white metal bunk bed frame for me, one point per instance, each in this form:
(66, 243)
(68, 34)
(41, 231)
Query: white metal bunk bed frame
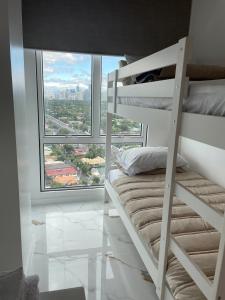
(203, 128)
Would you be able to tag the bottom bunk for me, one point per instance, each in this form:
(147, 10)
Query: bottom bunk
(139, 200)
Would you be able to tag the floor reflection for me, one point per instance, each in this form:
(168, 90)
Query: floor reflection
(73, 249)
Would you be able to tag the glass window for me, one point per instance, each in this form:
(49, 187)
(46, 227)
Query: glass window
(74, 165)
(120, 126)
(71, 165)
(68, 160)
(67, 93)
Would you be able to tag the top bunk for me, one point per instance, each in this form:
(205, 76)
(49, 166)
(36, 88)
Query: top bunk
(152, 102)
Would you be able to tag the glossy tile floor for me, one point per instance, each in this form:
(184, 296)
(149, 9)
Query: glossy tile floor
(73, 249)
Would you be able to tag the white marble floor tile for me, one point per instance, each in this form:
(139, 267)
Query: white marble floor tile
(73, 248)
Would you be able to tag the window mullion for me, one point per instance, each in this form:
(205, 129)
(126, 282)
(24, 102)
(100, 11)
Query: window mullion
(41, 115)
(40, 94)
(96, 94)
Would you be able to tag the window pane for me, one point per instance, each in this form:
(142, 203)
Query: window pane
(120, 126)
(76, 165)
(70, 165)
(67, 93)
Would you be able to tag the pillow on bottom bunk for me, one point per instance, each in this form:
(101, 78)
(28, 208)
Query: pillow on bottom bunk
(144, 159)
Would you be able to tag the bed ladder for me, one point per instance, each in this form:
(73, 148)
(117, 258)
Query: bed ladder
(213, 290)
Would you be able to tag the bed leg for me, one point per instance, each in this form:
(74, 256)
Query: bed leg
(108, 158)
(180, 87)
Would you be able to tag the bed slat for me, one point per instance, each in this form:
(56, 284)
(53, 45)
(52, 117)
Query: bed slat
(201, 280)
(163, 58)
(157, 89)
(193, 126)
(218, 283)
(204, 128)
(208, 213)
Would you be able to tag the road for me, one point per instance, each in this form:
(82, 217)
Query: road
(61, 124)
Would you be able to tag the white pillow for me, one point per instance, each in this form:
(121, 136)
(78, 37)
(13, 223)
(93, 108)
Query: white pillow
(144, 159)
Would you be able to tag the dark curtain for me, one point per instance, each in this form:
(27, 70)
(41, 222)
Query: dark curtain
(114, 27)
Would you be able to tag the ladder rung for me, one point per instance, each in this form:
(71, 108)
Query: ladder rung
(191, 268)
(208, 213)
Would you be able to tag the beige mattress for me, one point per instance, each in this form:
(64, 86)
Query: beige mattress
(142, 198)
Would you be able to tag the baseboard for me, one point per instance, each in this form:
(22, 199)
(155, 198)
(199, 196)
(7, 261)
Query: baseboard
(54, 197)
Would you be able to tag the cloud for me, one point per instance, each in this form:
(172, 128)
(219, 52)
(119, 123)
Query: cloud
(64, 63)
(53, 57)
(66, 85)
(48, 69)
(50, 57)
(59, 83)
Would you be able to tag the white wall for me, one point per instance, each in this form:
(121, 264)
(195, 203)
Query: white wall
(205, 159)
(207, 28)
(207, 34)
(15, 206)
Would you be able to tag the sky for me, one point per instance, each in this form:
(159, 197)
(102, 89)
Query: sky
(67, 70)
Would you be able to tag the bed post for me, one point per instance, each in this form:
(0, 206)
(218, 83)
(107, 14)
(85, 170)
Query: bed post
(115, 91)
(179, 93)
(218, 283)
(108, 142)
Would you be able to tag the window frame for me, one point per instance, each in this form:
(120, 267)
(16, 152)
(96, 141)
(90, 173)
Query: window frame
(94, 138)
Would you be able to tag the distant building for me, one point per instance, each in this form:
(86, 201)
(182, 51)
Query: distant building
(81, 150)
(59, 169)
(66, 180)
(97, 161)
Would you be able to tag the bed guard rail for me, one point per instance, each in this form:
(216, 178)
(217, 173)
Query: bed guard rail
(164, 88)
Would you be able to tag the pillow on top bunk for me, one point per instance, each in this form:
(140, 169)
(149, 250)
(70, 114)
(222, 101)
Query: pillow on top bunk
(144, 159)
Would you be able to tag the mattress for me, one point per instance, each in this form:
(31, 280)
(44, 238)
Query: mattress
(205, 98)
(142, 198)
(115, 174)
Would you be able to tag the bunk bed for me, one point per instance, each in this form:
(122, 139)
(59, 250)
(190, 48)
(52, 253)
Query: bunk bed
(179, 267)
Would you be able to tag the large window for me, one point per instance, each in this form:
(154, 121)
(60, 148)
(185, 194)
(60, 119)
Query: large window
(72, 114)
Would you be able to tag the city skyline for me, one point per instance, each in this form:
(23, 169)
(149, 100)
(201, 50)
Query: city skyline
(66, 71)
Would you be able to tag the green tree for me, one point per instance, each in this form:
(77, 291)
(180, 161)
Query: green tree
(63, 131)
(84, 181)
(68, 149)
(56, 185)
(94, 151)
(95, 180)
(84, 167)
